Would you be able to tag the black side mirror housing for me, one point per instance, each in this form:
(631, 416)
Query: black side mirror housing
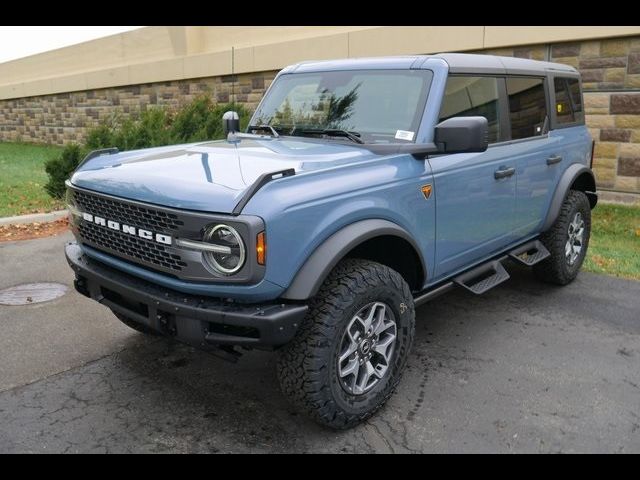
(230, 122)
(462, 134)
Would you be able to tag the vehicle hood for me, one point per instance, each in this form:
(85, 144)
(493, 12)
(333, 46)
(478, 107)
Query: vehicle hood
(208, 176)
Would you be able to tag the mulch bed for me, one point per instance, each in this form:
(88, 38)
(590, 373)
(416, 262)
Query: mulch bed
(10, 233)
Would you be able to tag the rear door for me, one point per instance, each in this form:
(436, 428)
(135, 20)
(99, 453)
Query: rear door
(539, 156)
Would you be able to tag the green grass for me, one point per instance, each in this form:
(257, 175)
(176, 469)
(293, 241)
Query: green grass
(614, 247)
(22, 178)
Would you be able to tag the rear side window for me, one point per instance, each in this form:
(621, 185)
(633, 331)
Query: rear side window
(527, 106)
(568, 100)
(576, 98)
(473, 96)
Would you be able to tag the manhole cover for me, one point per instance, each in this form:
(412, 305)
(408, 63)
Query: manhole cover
(29, 293)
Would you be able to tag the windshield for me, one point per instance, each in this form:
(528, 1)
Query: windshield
(377, 106)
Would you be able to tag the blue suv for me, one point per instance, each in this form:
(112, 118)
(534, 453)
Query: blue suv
(361, 189)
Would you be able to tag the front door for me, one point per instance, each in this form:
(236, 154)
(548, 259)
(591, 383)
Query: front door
(475, 206)
(475, 192)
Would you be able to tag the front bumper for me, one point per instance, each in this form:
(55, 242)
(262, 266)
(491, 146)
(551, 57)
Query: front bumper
(203, 322)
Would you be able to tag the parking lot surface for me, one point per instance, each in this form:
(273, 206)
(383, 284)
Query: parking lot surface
(525, 368)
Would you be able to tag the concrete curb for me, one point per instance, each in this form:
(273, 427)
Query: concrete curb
(33, 218)
(619, 198)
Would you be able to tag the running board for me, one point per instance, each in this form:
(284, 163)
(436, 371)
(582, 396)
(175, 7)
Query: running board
(483, 278)
(530, 253)
(487, 275)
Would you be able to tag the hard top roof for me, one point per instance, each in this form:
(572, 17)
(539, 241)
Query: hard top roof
(457, 62)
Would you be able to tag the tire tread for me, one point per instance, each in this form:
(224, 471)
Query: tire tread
(554, 269)
(302, 362)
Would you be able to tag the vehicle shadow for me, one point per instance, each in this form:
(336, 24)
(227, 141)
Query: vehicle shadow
(192, 395)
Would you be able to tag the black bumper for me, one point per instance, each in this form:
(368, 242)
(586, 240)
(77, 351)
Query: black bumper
(199, 321)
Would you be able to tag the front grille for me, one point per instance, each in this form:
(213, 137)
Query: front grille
(130, 246)
(156, 253)
(143, 217)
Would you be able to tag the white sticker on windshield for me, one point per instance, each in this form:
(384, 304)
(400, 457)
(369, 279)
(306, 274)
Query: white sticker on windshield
(404, 135)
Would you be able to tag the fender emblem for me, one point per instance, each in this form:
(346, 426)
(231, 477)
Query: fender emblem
(426, 190)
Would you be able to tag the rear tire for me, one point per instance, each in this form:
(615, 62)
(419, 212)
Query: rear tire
(134, 325)
(352, 347)
(567, 240)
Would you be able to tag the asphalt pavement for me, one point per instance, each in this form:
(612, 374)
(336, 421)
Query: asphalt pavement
(525, 368)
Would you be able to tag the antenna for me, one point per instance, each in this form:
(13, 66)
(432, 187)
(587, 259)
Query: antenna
(233, 78)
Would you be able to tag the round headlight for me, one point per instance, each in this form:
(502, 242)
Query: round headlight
(229, 257)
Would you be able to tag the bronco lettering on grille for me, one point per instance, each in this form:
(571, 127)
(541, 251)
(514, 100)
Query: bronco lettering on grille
(129, 229)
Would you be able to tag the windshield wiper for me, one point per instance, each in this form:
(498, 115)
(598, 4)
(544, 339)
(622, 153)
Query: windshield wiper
(334, 132)
(273, 131)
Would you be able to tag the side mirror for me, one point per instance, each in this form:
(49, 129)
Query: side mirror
(230, 122)
(462, 134)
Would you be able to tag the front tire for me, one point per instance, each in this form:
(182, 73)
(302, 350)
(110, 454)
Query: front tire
(567, 240)
(349, 354)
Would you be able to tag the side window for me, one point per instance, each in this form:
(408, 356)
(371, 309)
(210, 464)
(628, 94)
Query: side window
(472, 96)
(568, 100)
(564, 113)
(527, 106)
(576, 97)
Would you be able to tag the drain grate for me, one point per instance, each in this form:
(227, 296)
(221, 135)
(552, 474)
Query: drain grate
(29, 293)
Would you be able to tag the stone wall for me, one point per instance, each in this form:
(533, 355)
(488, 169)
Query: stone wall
(611, 79)
(65, 118)
(610, 70)
(614, 121)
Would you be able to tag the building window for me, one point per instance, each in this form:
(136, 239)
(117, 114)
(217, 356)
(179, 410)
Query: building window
(527, 106)
(473, 96)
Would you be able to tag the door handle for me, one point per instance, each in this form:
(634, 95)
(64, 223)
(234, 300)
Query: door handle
(504, 172)
(553, 159)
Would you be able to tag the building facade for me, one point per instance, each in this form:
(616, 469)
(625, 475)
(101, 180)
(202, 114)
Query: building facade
(55, 97)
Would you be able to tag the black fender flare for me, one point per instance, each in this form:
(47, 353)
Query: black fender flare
(567, 180)
(325, 257)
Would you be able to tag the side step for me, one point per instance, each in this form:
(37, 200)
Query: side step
(530, 253)
(483, 278)
(488, 275)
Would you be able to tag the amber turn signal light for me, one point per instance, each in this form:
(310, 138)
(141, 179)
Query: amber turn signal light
(261, 248)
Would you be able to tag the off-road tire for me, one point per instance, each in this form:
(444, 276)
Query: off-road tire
(135, 325)
(307, 366)
(555, 268)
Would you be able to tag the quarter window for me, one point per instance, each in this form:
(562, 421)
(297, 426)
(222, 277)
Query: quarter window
(527, 106)
(473, 96)
(576, 97)
(568, 100)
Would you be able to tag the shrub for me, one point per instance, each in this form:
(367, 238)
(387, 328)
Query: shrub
(99, 136)
(199, 120)
(202, 120)
(59, 169)
(151, 129)
(193, 122)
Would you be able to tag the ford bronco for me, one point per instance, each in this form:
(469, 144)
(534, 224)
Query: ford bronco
(361, 189)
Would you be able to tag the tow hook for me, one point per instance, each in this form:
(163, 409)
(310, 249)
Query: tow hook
(167, 323)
